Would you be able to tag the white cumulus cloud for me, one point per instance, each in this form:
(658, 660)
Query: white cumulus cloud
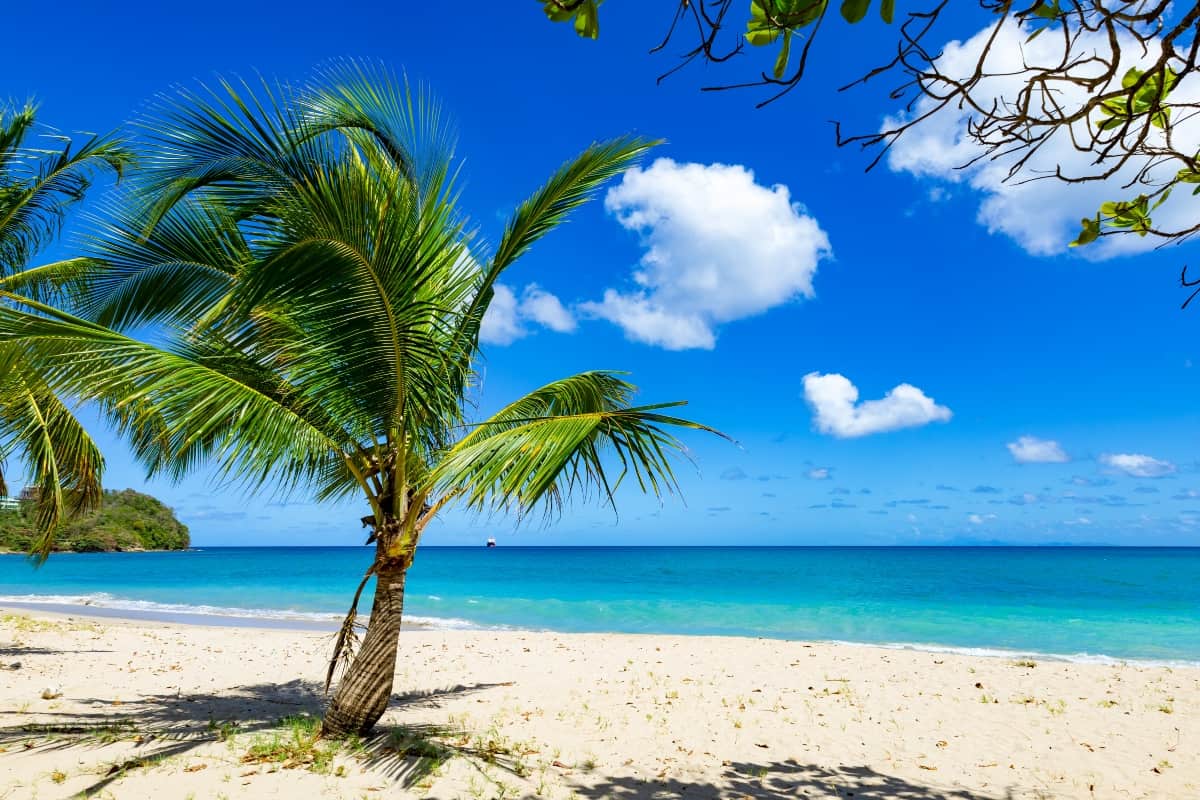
(541, 307)
(1041, 216)
(834, 401)
(719, 247)
(1137, 465)
(508, 316)
(1032, 450)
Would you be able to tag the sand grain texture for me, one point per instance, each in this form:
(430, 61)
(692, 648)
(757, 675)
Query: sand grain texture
(154, 710)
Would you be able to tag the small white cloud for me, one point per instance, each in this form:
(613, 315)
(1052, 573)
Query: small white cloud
(719, 247)
(644, 320)
(501, 324)
(980, 519)
(506, 317)
(1032, 450)
(819, 474)
(1137, 465)
(834, 401)
(538, 305)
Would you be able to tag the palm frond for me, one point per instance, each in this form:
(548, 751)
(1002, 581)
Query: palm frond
(572, 185)
(58, 282)
(377, 112)
(64, 462)
(560, 440)
(204, 407)
(34, 200)
(178, 275)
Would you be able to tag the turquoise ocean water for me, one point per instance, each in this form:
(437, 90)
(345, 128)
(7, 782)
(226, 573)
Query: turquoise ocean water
(1121, 603)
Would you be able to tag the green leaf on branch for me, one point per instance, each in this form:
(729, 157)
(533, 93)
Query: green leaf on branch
(854, 10)
(587, 20)
(1148, 98)
(1191, 175)
(557, 13)
(586, 15)
(769, 19)
(1049, 11)
(887, 10)
(1089, 233)
(762, 36)
(784, 54)
(1130, 215)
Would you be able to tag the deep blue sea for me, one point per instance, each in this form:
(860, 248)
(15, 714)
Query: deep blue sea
(1121, 603)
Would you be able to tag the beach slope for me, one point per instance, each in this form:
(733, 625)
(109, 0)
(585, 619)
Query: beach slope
(133, 709)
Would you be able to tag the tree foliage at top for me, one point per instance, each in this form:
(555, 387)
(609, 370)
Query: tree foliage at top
(1112, 86)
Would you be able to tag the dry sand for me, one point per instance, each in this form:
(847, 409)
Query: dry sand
(157, 710)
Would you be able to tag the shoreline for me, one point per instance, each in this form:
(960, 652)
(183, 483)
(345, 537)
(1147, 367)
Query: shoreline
(519, 714)
(414, 624)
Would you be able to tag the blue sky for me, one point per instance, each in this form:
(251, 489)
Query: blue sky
(766, 255)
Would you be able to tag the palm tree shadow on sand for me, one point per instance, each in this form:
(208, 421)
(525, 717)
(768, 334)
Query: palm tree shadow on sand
(157, 727)
(780, 780)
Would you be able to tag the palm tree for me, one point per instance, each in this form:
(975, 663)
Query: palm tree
(324, 296)
(38, 185)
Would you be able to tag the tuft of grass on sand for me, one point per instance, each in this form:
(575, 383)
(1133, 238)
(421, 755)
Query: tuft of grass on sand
(296, 743)
(21, 623)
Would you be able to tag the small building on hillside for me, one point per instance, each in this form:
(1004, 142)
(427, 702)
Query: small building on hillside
(9, 503)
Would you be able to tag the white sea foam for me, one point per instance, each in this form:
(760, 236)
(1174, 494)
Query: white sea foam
(107, 601)
(103, 600)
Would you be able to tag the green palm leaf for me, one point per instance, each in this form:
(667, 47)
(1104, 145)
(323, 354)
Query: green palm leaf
(38, 185)
(555, 442)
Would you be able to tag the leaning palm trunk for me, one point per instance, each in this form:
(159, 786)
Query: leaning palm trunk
(362, 695)
(326, 297)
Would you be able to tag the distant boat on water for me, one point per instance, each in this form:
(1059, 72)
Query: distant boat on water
(491, 542)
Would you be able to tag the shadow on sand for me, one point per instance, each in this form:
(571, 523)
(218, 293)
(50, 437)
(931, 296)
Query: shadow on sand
(779, 780)
(162, 726)
(17, 650)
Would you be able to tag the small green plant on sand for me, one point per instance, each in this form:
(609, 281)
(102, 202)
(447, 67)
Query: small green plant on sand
(224, 730)
(295, 744)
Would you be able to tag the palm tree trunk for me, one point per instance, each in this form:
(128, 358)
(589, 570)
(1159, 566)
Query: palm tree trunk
(362, 695)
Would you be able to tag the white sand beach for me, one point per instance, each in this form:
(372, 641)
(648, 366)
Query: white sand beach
(142, 709)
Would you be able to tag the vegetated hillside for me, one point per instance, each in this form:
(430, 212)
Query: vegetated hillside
(127, 520)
